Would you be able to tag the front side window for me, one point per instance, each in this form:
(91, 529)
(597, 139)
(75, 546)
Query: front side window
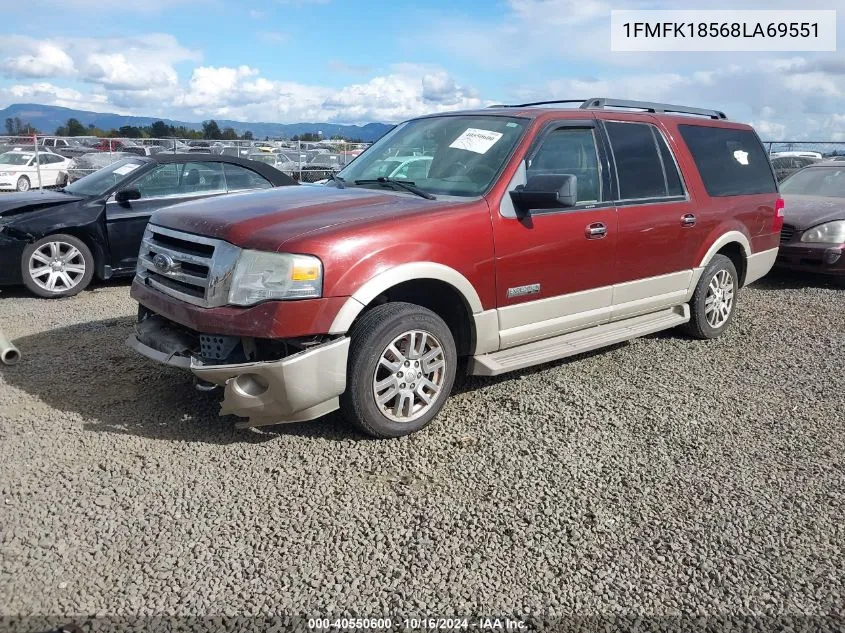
(239, 178)
(639, 165)
(569, 151)
(731, 162)
(465, 152)
(158, 182)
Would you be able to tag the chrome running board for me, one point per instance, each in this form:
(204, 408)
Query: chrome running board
(578, 342)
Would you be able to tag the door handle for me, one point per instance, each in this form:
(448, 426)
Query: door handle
(595, 231)
(688, 220)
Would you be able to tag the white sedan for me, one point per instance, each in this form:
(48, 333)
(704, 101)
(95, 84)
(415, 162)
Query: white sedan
(19, 172)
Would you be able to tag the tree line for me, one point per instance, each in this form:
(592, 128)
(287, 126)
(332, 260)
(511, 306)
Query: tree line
(16, 127)
(158, 129)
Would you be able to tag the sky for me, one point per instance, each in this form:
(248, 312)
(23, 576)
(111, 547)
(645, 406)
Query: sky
(356, 61)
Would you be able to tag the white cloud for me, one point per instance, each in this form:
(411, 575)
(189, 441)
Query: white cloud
(47, 93)
(42, 59)
(115, 70)
(131, 63)
(241, 93)
(212, 87)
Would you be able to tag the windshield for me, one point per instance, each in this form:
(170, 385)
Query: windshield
(816, 181)
(14, 158)
(102, 180)
(464, 153)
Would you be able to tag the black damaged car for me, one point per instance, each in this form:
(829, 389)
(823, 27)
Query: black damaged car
(54, 242)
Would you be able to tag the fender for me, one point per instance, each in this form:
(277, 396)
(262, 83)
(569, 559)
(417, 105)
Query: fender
(727, 238)
(397, 275)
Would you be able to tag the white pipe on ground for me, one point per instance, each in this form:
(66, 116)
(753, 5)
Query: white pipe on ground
(9, 354)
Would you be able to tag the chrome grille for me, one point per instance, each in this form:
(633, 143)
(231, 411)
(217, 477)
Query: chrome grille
(192, 268)
(786, 233)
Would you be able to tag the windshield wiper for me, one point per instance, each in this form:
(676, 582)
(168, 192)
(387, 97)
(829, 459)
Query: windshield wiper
(407, 185)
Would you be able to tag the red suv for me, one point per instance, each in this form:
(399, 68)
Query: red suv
(526, 234)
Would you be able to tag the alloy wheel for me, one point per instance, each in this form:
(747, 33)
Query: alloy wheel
(720, 299)
(56, 266)
(409, 376)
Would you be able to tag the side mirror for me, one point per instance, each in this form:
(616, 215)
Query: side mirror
(125, 195)
(548, 191)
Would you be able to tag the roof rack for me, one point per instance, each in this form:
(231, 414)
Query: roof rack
(599, 103)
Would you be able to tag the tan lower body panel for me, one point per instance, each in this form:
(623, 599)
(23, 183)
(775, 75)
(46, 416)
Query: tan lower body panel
(759, 265)
(537, 320)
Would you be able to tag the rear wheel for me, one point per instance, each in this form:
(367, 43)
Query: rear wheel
(23, 184)
(401, 369)
(57, 266)
(713, 303)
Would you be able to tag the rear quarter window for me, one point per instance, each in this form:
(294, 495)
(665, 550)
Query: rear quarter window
(731, 162)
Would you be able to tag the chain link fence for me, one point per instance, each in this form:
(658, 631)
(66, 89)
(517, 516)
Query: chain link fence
(45, 161)
(42, 161)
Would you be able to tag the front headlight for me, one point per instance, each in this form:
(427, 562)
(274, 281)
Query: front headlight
(7, 173)
(827, 233)
(261, 276)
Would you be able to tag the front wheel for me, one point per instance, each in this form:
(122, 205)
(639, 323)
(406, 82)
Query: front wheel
(713, 303)
(401, 369)
(23, 184)
(57, 266)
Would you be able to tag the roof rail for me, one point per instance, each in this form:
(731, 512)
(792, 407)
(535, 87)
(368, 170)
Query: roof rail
(534, 103)
(599, 103)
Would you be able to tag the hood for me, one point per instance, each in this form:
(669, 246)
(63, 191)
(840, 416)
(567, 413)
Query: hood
(803, 212)
(267, 219)
(13, 204)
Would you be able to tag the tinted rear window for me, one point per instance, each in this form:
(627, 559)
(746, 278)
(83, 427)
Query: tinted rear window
(731, 162)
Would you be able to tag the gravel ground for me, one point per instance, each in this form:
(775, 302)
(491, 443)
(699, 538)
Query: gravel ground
(666, 476)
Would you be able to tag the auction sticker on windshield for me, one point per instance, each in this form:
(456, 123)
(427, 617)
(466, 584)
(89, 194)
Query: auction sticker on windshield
(125, 169)
(475, 140)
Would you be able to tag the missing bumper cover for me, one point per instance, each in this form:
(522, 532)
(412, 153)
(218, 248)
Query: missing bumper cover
(299, 387)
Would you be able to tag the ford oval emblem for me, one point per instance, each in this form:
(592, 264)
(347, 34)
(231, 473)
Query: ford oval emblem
(163, 263)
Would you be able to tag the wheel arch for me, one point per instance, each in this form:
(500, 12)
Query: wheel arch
(734, 245)
(439, 288)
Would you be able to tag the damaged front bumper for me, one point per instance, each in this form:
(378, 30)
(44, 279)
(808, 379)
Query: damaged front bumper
(299, 387)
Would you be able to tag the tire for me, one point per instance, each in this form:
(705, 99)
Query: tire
(717, 280)
(61, 261)
(410, 408)
(23, 184)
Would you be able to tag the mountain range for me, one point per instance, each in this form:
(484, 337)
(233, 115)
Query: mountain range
(47, 118)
